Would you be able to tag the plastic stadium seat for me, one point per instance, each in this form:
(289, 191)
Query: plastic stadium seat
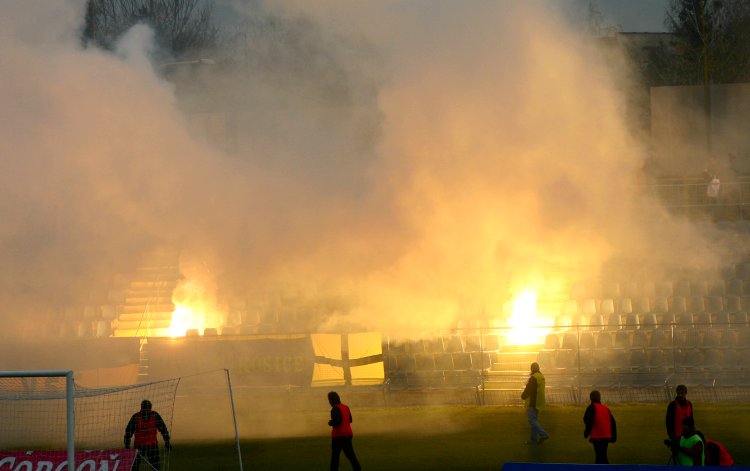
(613, 322)
(546, 359)
(611, 289)
(639, 339)
(735, 287)
(587, 307)
(696, 304)
(712, 339)
(607, 307)
(678, 305)
(638, 358)
(569, 341)
(461, 361)
(729, 339)
(647, 290)
(566, 359)
(660, 339)
(684, 319)
(743, 270)
(425, 361)
(453, 344)
(641, 305)
(690, 338)
(570, 308)
(659, 305)
(713, 358)
(406, 363)
(733, 303)
(625, 306)
(699, 288)
(681, 289)
(717, 288)
(622, 339)
(702, 320)
(604, 340)
(663, 289)
(481, 360)
(629, 321)
(658, 358)
(739, 320)
(629, 289)
(714, 304)
(581, 321)
(444, 361)
(587, 340)
(551, 342)
(596, 322)
(648, 321)
(433, 345)
(720, 320)
(690, 358)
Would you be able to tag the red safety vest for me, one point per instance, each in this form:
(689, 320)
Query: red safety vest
(344, 429)
(725, 459)
(602, 426)
(680, 412)
(145, 430)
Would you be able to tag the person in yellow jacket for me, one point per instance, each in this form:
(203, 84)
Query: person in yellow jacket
(601, 428)
(691, 451)
(533, 395)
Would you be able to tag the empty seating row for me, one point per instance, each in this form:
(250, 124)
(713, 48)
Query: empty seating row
(678, 359)
(657, 305)
(438, 362)
(659, 339)
(735, 280)
(651, 320)
(446, 344)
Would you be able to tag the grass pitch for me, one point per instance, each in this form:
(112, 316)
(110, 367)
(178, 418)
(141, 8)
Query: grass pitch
(453, 438)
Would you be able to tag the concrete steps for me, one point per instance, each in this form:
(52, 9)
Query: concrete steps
(147, 307)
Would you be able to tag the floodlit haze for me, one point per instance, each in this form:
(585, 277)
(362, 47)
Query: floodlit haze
(455, 151)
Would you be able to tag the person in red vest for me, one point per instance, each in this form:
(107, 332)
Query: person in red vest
(143, 426)
(716, 453)
(601, 428)
(677, 411)
(341, 433)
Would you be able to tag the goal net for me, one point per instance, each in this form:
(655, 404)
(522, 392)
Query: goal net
(36, 414)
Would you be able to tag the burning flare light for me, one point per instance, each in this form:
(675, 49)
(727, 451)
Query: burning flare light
(524, 323)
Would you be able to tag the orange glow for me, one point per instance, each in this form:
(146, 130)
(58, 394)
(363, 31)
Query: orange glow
(524, 321)
(194, 309)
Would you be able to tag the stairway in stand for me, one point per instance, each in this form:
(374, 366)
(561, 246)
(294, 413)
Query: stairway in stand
(147, 306)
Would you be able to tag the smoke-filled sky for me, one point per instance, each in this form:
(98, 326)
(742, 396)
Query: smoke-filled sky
(411, 158)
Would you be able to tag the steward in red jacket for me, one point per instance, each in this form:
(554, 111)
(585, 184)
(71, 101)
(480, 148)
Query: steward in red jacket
(341, 433)
(677, 411)
(143, 425)
(601, 428)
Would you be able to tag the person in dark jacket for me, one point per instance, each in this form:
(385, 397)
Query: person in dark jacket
(677, 411)
(142, 427)
(341, 433)
(533, 395)
(601, 428)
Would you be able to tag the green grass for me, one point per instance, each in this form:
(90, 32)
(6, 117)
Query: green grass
(469, 438)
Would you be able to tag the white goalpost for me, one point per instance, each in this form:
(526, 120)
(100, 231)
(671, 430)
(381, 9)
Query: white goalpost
(45, 414)
(55, 386)
(49, 422)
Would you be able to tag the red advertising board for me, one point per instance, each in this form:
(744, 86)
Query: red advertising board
(56, 460)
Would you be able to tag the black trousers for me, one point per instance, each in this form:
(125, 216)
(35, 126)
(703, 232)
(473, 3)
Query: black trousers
(339, 444)
(150, 454)
(600, 450)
